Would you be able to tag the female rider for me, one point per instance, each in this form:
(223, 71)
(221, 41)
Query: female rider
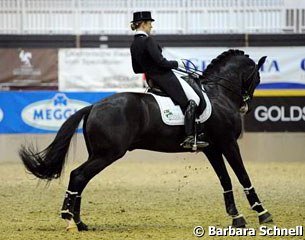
(147, 58)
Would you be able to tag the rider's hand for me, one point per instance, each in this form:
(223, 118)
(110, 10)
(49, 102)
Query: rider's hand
(181, 64)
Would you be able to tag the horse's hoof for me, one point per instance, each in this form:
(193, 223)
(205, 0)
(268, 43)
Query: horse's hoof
(81, 226)
(71, 226)
(239, 221)
(265, 217)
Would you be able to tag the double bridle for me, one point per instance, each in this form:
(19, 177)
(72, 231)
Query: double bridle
(245, 93)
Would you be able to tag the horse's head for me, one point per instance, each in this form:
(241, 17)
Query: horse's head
(250, 82)
(236, 73)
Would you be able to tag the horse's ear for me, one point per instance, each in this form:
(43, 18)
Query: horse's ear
(261, 62)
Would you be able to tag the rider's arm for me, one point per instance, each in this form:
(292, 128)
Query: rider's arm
(156, 54)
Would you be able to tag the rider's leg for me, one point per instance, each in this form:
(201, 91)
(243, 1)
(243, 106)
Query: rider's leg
(189, 92)
(180, 92)
(169, 84)
(198, 89)
(189, 123)
(190, 116)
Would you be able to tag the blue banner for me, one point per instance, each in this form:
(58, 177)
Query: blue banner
(43, 111)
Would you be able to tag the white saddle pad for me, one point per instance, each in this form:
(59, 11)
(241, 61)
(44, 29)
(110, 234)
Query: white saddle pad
(172, 115)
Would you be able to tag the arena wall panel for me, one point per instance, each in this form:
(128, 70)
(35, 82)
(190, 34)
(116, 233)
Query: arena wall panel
(257, 147)
(167, 40)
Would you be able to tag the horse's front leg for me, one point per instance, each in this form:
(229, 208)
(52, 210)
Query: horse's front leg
(233, 156)
(215, 157)
(263, 215)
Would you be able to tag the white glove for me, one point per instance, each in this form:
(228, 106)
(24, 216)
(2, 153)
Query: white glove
(181, 64)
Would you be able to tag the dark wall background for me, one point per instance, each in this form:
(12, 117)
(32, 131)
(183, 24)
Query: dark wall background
(123, 41)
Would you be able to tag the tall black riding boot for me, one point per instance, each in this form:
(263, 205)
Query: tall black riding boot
(189, 122)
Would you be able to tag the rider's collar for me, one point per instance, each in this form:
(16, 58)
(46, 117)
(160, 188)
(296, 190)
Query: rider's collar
(141, 32)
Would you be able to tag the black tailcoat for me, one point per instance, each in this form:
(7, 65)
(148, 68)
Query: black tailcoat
(146, 56)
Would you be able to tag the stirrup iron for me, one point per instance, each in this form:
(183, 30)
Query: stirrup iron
(194, 147)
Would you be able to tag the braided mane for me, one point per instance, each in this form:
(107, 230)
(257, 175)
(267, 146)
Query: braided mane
(216, 62)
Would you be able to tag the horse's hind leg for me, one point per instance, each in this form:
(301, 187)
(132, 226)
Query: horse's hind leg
(233, 156)
(75, 198)
(215, 157)
(79, 178)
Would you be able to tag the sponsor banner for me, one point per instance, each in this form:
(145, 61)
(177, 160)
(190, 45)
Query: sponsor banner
(1, 115)
(22, 67)
(279, 92)
(44, 112)
(276, 114)
(96, 70)
(41, 112)
(284, 67)
(100, 69)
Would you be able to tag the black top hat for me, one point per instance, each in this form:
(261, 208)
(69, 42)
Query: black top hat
(142, 16)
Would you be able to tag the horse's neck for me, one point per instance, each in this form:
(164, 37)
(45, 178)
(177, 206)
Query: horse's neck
(222, 90)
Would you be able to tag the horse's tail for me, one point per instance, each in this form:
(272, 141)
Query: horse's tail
(48, 164)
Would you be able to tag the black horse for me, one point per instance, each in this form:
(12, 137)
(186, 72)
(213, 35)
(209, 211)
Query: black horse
(128, 121)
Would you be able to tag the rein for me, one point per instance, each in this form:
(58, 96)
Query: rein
(193, 73)
(232, 88)
(245, 93)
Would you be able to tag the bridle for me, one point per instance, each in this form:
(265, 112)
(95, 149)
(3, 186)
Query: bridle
(244, 92)
(247, 91)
